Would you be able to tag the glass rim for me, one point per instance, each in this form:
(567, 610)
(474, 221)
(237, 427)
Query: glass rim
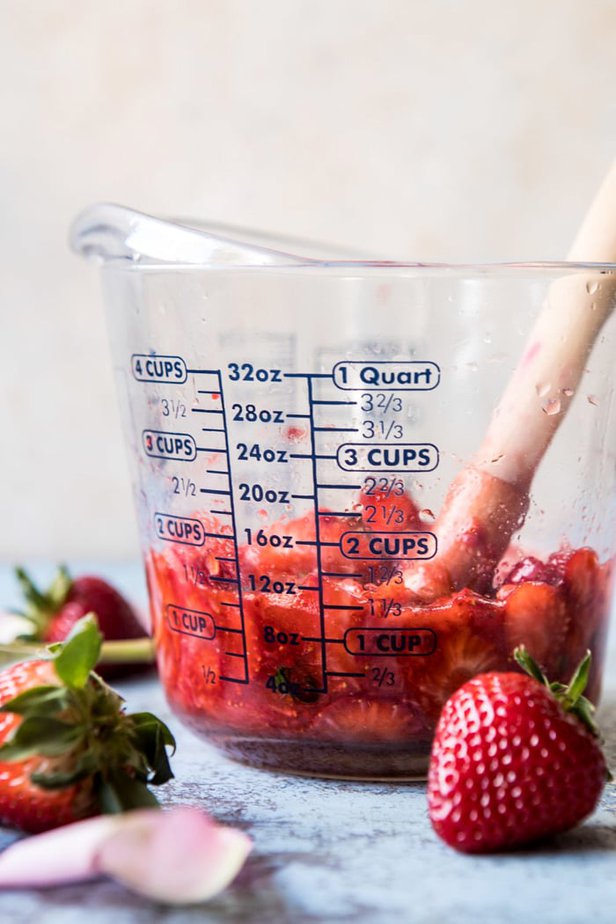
(120, 237)
(310, 266)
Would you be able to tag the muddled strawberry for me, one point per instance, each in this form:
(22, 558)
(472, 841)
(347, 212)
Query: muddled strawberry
(537, 615)
(339, 646)
(371, 722)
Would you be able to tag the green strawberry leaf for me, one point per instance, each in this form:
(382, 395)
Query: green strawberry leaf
(32, 595)
(43, 700)
(77, 655)
(529, 665)
(153, 737)
(569, 696)
(38, 735)
(585, 711)
(15, 752)
(121, 793)
(60, 779)
(578, 682)
(59, 589)
(146, 722)
(108, 799)
(41, 606)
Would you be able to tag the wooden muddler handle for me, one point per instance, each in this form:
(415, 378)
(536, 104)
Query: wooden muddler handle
(488, 500)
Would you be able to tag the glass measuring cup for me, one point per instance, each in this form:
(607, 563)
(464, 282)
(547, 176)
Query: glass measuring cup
(294, 424)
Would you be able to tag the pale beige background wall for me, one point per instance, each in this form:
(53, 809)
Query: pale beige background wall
(438, 130)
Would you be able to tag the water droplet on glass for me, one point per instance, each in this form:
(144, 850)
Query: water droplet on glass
(551, 406)
(497, 357)
(592, 286)
(487, 338)
(542, 389)
(592, 399)
(472, 366)
(426, 514)
(567, 392)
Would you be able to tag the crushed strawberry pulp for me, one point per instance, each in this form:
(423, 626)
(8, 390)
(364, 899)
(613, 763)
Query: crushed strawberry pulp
(323, 663)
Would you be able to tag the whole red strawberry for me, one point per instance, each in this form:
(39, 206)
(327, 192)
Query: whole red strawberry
(514, 759)
(55, 612)
(67, 747)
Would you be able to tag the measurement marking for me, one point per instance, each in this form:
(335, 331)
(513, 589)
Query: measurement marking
(213, 430)
(340, 574)
(334, 545)
(336, 429)
(343, 674)
(334, 402)
(340, 487)
(317, 534)
(308, 375)
(298, 416)
(233, 654)
(234, 606)
(202, 391)
(330, 641)
(227, 629)
(229, 536)
(222, 513)
(308, 455)
(308, 542)
(224, 580)
(214, 491)
(242, 680)
(220, 557)
(308, 587)
(206, 410)
(240, 596)
(338, 513)
(217, 471)
(303, 496)
(204, 371)
(211, 449)
(336, 606)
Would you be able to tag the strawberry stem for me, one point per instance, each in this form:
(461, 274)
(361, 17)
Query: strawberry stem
(126, 651)
(122, 651)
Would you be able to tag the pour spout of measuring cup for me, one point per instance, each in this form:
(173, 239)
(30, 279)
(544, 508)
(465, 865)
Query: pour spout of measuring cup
(108, 232)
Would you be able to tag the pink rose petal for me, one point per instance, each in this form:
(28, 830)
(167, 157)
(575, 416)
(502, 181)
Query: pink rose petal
(177, 856)
(63, 855)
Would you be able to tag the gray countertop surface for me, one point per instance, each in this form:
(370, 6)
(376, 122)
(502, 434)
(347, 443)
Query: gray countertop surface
(327, 851)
